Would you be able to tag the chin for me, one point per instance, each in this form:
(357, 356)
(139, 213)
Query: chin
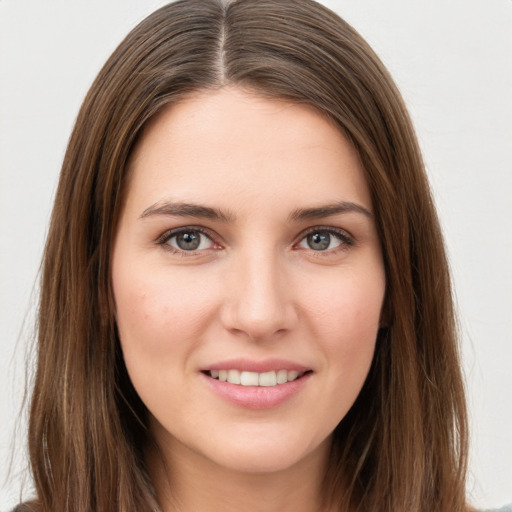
(258, 463)
(267, 454)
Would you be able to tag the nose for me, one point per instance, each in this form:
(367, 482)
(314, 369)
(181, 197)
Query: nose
(259, 297)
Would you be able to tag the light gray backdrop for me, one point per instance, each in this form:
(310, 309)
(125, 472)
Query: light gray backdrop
(452, 61)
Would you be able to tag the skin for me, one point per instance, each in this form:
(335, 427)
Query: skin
(254, 289)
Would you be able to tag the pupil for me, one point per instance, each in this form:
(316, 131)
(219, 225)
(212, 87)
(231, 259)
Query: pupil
(188, 241)
(319, 241)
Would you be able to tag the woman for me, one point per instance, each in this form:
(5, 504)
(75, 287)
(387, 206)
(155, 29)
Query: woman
(245, 297)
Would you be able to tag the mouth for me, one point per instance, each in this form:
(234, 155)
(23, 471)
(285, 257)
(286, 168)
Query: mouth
(265, 379)
(257, 384)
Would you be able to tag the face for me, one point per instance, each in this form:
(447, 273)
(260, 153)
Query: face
(248, 279)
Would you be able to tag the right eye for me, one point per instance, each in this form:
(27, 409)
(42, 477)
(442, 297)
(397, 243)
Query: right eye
(188, 240)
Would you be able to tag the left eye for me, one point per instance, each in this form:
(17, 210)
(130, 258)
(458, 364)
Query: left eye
(190, 240)
(321, 241)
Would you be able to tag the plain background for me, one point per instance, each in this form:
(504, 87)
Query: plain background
(452, 62)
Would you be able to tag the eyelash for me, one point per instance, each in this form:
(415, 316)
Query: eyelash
(165, 237)
(346, 240)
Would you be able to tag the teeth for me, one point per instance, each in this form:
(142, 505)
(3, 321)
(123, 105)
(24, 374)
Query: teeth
(248, 379)
(265, 379)
(282, 376)
(234, 376)
(268, 379)
(292, 375)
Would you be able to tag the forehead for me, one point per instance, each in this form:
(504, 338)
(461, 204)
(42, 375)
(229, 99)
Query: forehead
(253, 151)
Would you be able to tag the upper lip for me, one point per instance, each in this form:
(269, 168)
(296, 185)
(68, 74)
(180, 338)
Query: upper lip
(252, 365)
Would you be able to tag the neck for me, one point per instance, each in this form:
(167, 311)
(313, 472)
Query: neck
(185, 481)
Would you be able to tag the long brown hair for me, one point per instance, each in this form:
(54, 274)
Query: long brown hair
(402, 447)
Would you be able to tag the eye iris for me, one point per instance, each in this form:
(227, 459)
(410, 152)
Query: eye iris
(319, 241)
(188, 241)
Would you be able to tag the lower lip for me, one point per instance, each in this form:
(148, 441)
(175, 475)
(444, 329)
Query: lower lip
(257, 397)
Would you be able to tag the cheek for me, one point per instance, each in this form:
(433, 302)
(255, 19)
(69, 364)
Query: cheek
(160, 316)
(345, 320)
(347, 307)
(161, 321)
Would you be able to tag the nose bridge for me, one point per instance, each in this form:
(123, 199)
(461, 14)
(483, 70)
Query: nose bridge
(258, 301)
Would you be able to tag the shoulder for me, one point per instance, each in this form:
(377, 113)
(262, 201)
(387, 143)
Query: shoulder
(25, 507)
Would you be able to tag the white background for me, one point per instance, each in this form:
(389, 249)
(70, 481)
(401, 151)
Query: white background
(453, 62)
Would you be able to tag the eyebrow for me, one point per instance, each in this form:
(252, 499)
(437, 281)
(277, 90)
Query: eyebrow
(207, 212)
(187, 210)
(329, 210)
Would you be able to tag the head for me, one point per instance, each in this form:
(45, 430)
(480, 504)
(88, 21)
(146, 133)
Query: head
(402, 443)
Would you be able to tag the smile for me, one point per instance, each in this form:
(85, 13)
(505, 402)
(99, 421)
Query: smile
(246, 378)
